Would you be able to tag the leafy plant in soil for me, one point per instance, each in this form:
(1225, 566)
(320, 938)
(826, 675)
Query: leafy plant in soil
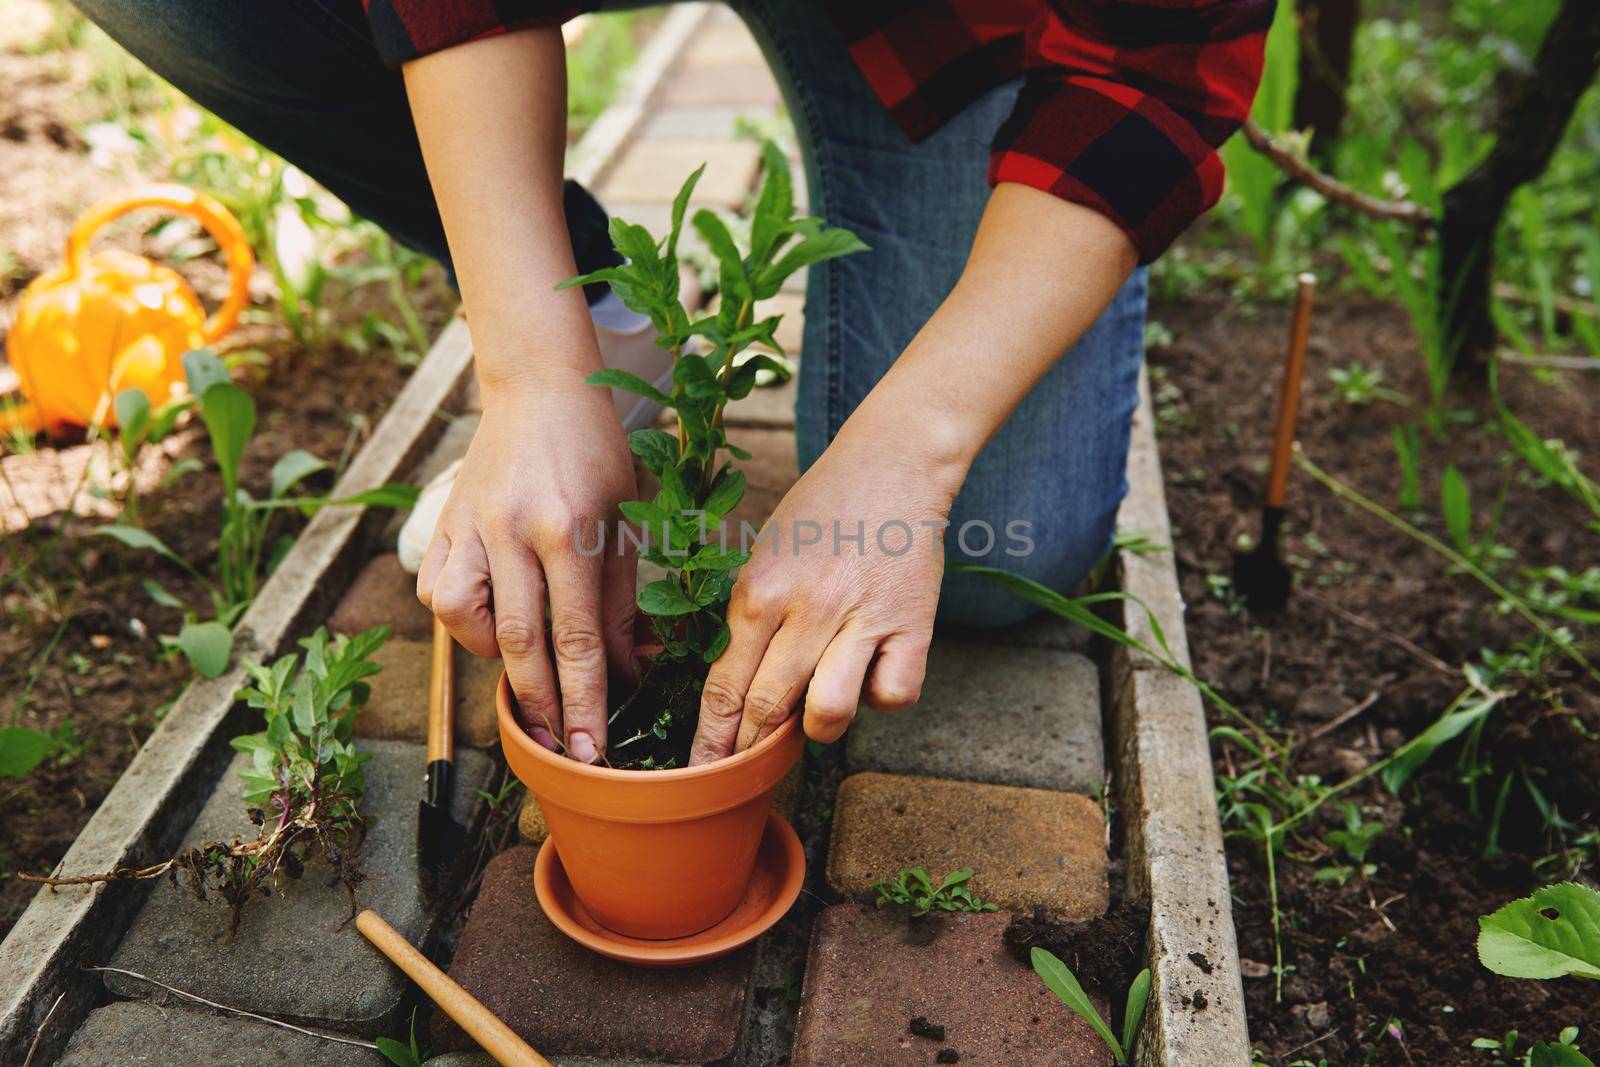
(304, 784)
(913, 888)
(1060, 980)
(682, 524)
(243, 557)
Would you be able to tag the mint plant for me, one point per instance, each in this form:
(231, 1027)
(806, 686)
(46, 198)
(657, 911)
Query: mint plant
(304, 784)
(711, 365)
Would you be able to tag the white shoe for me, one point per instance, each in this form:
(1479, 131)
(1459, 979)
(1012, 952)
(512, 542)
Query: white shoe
(627, 342)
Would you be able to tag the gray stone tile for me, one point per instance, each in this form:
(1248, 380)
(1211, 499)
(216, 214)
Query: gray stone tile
(295, 956)
(700, 123)
(1007, 716)
(137, 1033)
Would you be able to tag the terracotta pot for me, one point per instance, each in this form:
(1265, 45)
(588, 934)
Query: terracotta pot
(654, 854)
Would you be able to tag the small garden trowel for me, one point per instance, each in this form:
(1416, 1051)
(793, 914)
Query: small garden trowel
(439, 835)
(1260, 575)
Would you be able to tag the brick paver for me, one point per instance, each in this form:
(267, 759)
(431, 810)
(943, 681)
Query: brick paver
(383, 594)
(565, 1000)
(398, 707)
(295, 954)
(651, 172)
(136, 1033)
(741, 84)
(1028, 848)
(867, 980)
(1012, 716)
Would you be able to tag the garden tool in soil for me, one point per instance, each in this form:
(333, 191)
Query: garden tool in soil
(439, 835)
(469, 1013)
(627, 342)
(113, 321)
(1260, 575)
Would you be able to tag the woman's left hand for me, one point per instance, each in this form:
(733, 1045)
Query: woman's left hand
(837, 602)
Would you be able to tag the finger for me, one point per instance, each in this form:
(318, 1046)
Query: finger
(836, 687)
(618, 577)
(460, 597)
(780, 682)
(580, 651)
(722, 697)
(433, 558)
(519, 629)
(894, 682)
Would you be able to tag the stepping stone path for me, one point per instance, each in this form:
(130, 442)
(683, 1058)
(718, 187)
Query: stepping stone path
(875, 995)
(994, 770)
(295, 955)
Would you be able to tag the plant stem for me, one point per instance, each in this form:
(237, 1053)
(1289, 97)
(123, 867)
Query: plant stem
(1372, 507)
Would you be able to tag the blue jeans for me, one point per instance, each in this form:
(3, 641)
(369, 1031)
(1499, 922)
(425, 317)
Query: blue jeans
(301, 77)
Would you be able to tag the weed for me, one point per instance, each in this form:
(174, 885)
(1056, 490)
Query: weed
(1060, 980)
(229, 415)
(404, 1054)
(303, 786)
(1355, 840)
(913, 888)
(1357, 386)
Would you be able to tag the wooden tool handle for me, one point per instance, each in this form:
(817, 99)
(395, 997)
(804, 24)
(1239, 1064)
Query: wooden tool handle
(1289, 397)
(442, 696)
(481, 1024)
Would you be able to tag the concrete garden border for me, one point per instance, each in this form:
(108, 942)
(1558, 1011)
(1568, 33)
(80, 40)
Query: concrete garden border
(1172, 841)
(153, 802)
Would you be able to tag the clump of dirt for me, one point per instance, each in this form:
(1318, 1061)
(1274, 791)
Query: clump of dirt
(1375, 632)
(654, 727)
(1106, 953)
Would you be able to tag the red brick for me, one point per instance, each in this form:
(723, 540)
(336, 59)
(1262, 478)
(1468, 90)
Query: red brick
(866, 980)
(383, 594)
(1028, 848)
(567, 1001)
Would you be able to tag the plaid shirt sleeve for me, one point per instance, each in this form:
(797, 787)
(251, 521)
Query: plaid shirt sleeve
(405, 29)
(1126, 103)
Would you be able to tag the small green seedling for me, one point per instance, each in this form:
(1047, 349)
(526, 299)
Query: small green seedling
(913, 888)
(1060, 980)
(1563, 1052)
(1357, 386)
(403, 1053)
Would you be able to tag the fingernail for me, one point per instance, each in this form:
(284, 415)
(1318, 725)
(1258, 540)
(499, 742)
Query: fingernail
(543, 737)
(581, 745)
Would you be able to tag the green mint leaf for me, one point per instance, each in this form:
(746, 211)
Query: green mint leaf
(828, 244)
(664, 597)
(628, 383)
(680, 204)
(725, 494)
(655, 448)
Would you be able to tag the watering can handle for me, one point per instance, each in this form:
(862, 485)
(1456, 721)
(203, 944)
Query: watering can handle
(207, 211)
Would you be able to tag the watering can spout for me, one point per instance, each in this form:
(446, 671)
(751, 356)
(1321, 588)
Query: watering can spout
(109, 321)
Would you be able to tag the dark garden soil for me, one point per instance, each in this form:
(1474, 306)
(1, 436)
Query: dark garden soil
(78, 633)
(1374, 619)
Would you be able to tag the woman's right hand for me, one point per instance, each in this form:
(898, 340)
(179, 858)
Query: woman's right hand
(544, 475)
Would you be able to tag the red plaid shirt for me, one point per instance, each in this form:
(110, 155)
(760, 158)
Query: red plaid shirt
(1123, 107)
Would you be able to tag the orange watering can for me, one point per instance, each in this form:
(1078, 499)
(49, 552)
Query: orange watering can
(114, 321)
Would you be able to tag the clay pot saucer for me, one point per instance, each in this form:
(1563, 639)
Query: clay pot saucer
(775, 883)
